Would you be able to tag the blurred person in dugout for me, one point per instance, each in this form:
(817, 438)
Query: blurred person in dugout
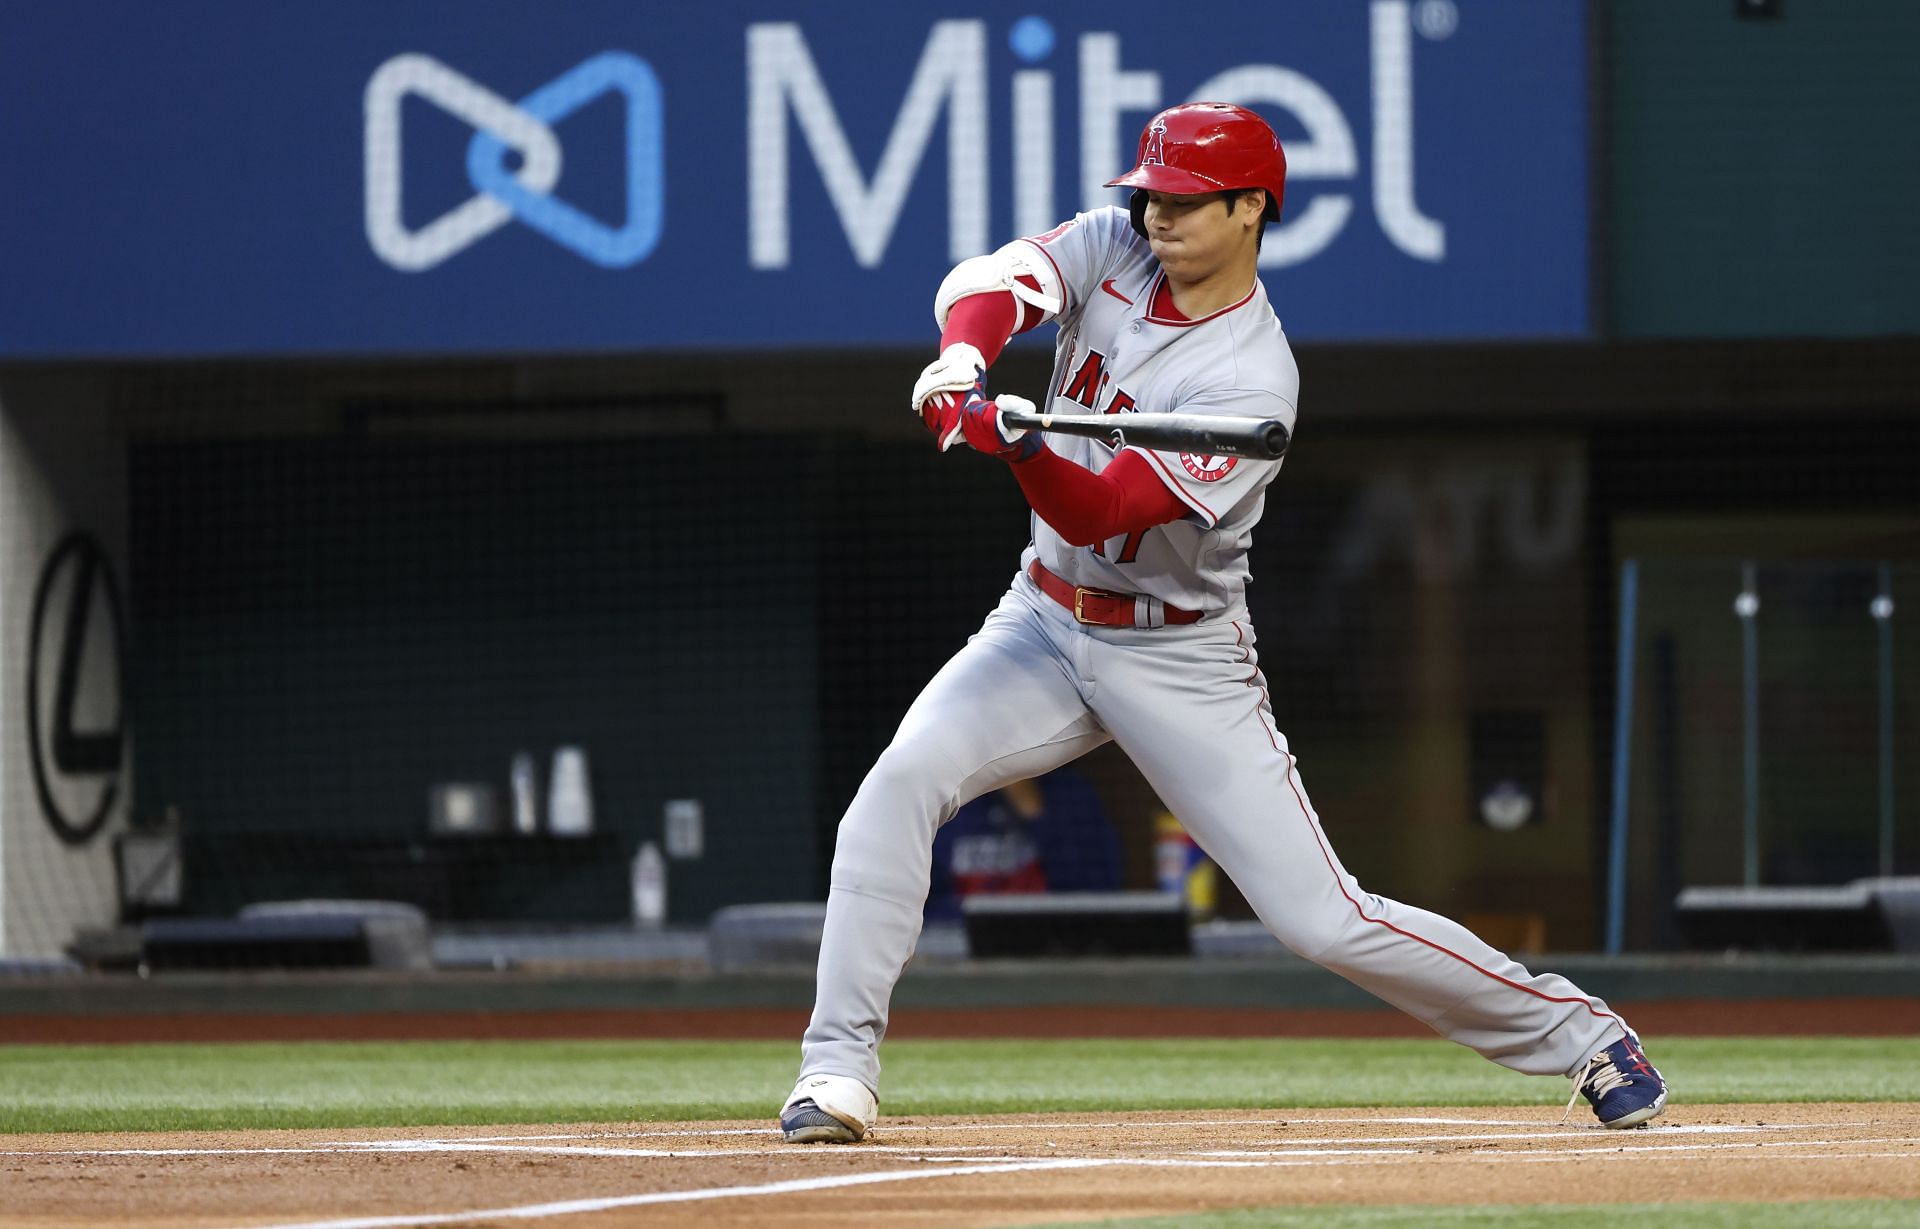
(1042, 834)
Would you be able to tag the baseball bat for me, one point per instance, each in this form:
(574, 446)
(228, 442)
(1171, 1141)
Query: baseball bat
(1215, 434)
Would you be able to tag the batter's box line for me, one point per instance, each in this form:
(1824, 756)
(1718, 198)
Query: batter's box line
(1576, 1133)
(546, 1144)
(806, 1185)
(550, 1143)
(1752, 1148)
(573, 1207)
(1043, 1125)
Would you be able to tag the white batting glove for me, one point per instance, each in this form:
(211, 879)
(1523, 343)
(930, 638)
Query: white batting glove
(955, 371)
(1007, 401)
(947, 380)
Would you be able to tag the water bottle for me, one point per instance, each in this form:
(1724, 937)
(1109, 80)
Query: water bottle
(569, 797)
(649, 887)
(526, 795)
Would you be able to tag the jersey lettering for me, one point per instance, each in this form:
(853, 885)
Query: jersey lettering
(1129, 546)
(1235, 363)
(1084, 387)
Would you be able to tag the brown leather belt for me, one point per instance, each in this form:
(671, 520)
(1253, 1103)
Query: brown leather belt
(1104, 609)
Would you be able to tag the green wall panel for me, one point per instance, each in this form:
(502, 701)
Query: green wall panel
(1764, 173)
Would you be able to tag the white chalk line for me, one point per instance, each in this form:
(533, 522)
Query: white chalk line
(1170, 1125)
(1024, 1125)
(1749, 1147)
(350, 1147)
(805, 1185)
(1062, 1124)
(1577, 1133)
(571, 1207)
(1302, 1153)
(542, 1144)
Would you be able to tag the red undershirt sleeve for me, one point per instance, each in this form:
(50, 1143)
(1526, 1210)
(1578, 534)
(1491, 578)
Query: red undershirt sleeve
(986, 321)
(1084, 507)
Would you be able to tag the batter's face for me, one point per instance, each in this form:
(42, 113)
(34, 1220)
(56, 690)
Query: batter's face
(1197, 238)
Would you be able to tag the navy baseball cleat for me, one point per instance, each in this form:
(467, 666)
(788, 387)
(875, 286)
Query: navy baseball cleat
(828, 1109)
(1621, 1085)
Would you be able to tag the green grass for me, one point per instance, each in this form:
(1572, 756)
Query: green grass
(346, 1084)
(1823, 1214)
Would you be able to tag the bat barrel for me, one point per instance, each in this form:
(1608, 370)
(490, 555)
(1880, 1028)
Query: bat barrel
(1258, 439)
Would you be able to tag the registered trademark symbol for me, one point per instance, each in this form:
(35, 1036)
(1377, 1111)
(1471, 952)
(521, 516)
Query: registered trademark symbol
(1436, 19)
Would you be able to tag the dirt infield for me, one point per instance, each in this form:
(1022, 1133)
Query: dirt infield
(1016, 1170)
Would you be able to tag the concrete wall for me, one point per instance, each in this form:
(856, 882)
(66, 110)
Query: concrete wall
(62, 471)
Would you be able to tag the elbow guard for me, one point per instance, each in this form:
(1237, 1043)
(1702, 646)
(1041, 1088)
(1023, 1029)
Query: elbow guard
(1000, 270)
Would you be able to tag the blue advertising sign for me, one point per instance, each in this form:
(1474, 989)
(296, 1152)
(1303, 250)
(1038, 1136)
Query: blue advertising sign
(440, 176)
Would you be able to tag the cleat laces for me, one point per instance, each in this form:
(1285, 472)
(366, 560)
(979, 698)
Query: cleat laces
(1600, 1078)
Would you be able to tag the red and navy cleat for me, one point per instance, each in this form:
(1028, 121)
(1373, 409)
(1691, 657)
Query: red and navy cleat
(1621, 1085)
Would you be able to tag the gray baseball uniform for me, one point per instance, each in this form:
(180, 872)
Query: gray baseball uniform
(1035, 688)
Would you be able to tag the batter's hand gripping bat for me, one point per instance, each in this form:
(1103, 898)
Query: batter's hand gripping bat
(1210, 434)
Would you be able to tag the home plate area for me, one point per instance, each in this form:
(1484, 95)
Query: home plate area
(971, 1171)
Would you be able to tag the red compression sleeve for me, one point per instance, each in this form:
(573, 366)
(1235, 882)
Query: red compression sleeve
(985, 321)
(1084, 507)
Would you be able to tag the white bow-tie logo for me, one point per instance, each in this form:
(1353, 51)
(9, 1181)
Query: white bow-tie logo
(500, 194)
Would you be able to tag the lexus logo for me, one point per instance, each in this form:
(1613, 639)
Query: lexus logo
(77, 756)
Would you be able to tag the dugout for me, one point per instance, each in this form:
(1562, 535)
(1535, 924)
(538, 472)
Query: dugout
(384, 582)
(279, 564)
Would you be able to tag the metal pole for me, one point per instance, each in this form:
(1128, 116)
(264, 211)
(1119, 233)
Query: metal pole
(1747, 606)
(1622, 751)
(1882, 610)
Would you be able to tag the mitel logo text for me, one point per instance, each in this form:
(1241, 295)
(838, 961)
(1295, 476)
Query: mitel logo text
(951, 76)
(789, 104)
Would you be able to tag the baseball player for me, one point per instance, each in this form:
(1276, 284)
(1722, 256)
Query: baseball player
(1127, 621)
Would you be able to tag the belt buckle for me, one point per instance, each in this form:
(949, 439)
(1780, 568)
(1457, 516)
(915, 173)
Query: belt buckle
(1080, 594)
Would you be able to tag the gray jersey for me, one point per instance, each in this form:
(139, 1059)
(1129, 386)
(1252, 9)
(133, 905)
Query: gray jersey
(1038, 687)
(1114, 356)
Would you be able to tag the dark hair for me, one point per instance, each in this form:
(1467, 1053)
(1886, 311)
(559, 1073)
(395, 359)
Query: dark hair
(1231, 196)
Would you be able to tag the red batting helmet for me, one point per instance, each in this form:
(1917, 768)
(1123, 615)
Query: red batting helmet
(1200, 147)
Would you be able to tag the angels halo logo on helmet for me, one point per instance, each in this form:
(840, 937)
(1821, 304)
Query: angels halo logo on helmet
(1201, 147)
(1151, 153)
